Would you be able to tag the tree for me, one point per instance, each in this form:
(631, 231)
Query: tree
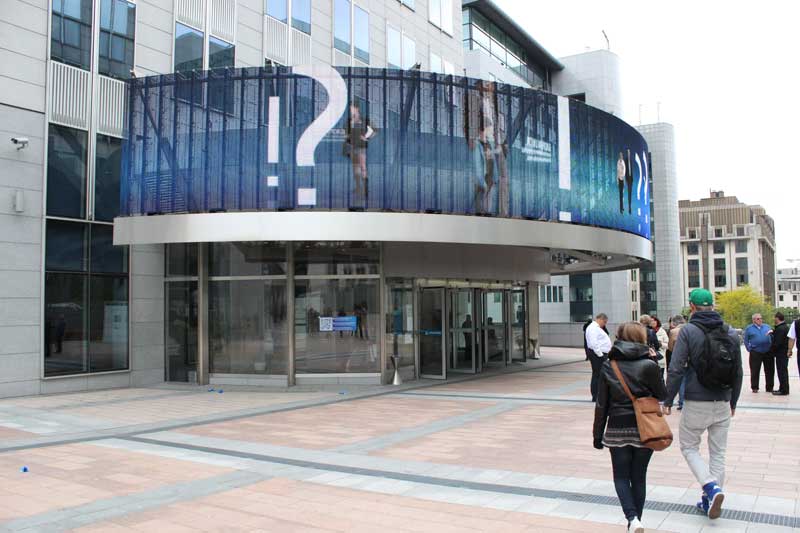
(737, 307)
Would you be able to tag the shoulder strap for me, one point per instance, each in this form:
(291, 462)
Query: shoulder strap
(621, 379)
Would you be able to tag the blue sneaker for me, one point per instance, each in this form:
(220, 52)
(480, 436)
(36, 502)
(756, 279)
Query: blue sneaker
(715, 498)
(703, 504)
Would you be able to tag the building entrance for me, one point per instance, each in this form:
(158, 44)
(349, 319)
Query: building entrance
(485, 328)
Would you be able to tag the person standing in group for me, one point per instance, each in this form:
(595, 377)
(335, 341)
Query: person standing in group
(794, 330)
(615, 425)
(653, 342)
(599, 344)
(707, 353)
(676, 323)
(758, 341)
(779, 350)
(663, 341)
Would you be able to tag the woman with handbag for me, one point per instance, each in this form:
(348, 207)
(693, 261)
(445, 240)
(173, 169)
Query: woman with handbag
(629, 379)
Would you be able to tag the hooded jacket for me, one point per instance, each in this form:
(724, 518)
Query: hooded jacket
(642, 376)
(688, 347)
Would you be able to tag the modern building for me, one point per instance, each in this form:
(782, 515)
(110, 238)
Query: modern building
(290, 191)
(726, 244)
(789, 287)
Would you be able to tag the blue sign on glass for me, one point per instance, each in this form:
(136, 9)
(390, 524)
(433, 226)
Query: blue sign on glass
(345, 323)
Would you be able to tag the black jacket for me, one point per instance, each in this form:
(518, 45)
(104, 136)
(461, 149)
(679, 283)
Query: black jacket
(780, 339)
(642, 376)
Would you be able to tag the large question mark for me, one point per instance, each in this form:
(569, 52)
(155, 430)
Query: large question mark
(336, 88)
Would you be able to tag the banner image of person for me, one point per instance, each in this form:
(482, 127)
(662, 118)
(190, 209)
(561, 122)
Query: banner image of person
(377, 139)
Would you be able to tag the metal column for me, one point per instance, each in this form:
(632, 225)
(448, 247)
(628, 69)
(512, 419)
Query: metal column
(202, 314)
(290, 312)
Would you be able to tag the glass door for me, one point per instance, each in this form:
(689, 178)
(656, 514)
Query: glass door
(518, 312)
(494, 327)
(431, 334)
(461, 347)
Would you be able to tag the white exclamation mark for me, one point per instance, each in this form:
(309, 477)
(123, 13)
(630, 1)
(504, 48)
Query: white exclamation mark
(273, 135)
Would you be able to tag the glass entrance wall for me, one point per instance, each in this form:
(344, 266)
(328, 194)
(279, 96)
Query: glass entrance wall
(494, 327)
(519, 337)
(462, 325)
(431, 333)
(400, 322)
(180, 314)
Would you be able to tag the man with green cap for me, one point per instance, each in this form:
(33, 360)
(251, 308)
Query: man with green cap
(708, 354)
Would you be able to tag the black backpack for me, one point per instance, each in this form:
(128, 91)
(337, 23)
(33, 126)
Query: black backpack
(717, 366)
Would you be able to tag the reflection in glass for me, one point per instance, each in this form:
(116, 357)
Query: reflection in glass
(431, 360)
(341, 25)
(108, 323)
(336, 258)
(105, 257)
(301, 15)
(247, 259)
(494, 327)
(248, 330)
(518, 339)
(181, 259)
(394, 48)
(400, 325)
(66, 172)
(220, 55)
(462, 322)
(66, 316)
(188, 57)
(117, 22)
(108, 160)
(361, 34)
(181, 330)
(71, 32)
(277, 9)
(340, 351)
(409, 52)
(65, 247)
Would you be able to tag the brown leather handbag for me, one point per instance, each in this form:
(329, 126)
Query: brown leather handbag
(654, 432)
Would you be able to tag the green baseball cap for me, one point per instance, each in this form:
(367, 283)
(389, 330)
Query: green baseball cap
(702, 297)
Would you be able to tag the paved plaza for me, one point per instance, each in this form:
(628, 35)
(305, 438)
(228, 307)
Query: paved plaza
(504, 452)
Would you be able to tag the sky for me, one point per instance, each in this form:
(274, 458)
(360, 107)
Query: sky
(726, 75)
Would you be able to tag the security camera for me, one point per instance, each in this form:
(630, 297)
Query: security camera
(21, 142)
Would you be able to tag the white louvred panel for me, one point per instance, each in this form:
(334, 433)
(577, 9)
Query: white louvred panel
(111, 107)
(301, 48)
(340, 59)
(68, 97)
(276, 42)
(222, 23)
(190, 12)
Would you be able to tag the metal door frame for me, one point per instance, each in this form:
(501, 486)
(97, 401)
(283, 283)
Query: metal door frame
(511, 318)
(452, 293)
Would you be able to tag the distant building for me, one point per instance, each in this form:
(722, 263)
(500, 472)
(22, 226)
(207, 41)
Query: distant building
(789, 287)
(726, 244)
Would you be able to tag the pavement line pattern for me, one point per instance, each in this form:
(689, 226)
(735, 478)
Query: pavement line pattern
(122, 400)
(577, 497)
(110, 508)
(423, 430)
(133, 430)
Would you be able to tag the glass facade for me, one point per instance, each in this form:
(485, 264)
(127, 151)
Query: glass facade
(341, 25)
(301, 15)
(361, 34)
(694, 273)
(277, 9)
(71, 33)
(394, 48)
(720, 273)
(117, 23)
(742, 271)
(188, 48)
(479, 33)
(108, 162)
(66, 172)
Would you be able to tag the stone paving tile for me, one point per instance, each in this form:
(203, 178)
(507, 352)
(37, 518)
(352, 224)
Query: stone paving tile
(77, 474)
(9, 434)
(333, 425)
(288, 505)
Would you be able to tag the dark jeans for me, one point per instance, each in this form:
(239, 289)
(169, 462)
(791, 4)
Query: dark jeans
(756, 359)
(630, 478)
(629, 183)
(621, 196)
(597, 364)
(782, 366)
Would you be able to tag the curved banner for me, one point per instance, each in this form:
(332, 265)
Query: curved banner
(354, 138)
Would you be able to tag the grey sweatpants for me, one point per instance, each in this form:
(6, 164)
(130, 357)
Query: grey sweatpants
(696, 419)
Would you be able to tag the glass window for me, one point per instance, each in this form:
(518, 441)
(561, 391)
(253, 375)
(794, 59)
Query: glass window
(331, 258)
(542, 296)
(351, 346)
(247, 259)
(181, 260)
(277, 9)
(740, 231)
(741, 247)
(692, 234)
(719, 247)
(220, 53)
(65, 246)
(447, 16)
(480, 38)
(409, 52)
(248, 327)
(108, 323)
(66, 318)
(108, 161)
(66, 172)
(742, 271)
(720, 273)
(692, 248)
(341, 25)
(181, 330)
(394, 50)
(436, 63)
(361, 34)
(448, 68)
(694, 273)
(71, 35)
(105, 257)
(117, 21)
(717, 232)
(188, 49)
(301, 15)
(435, 12)
(409, 3)
(561, 294)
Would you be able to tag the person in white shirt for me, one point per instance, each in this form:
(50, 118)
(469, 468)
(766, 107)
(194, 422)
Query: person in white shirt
(793, 332)
(599, 344)
(621, 169)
